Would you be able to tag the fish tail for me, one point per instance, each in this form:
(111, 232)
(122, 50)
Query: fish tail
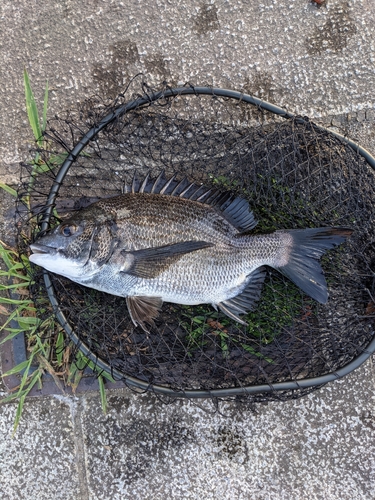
(301, 256)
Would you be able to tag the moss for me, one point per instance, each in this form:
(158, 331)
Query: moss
(280, 304)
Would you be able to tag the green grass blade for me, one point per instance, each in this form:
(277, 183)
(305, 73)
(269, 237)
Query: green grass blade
(41, 168)
(11, 316)
(6, 256)
(26, 374)
(32, 110)
(59, 348)
(18, 413)
(82, 359)
(45, 105)
(107, 376)
(42, 346)
(7, 399)
(17, 265)
(58, 159)
(77, 378)
(72, 371)
(16, 369)
(27, 320)
(15, 286)
(256, 353)
(12, 273)
(8, 189)
(14, 330)
(36, 378)
(5, 300)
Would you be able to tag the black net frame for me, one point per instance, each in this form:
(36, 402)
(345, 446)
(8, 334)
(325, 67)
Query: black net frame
(268, 126)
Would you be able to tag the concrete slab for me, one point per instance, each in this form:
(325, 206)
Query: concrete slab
(41, 461)
(319, 447)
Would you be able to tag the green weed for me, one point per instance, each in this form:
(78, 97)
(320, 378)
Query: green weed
(46, 346)
(211, 325)
(278, 308)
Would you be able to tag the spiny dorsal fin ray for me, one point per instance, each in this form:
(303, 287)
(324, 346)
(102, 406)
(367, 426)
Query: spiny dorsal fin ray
(144, 184)
(135, 183)
(235, 209)
(165, 188)
(180, 187)
(246, 300)
(150, 262)
(183, 193)
(198, 196)
(158, 180)
(143, 310)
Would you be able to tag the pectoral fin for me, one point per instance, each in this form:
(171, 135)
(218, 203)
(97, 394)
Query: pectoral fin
(143, 310)
(150, 262)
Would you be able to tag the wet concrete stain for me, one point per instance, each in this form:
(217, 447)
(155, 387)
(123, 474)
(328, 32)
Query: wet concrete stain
(118, 403)
(230, 443)
(111, 77)
(123, 64)
(156, 64)
(368, 420)
(258, 84)
(334, 34)
(139, 444)
(261, 85)
(206, 20)
(67, 8)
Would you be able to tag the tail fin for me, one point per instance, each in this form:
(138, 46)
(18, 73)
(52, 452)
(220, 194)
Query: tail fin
(303, 267)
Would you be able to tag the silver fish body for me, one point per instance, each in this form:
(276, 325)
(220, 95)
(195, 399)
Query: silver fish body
(181, 243)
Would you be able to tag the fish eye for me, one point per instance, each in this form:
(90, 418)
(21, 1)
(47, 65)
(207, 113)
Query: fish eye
(67, 230)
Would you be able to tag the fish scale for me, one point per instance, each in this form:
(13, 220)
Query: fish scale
(175, 241)
(162, 219)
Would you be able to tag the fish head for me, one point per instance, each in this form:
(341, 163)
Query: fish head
(79, 246)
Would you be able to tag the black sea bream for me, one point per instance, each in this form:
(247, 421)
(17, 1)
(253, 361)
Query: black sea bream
(182, 243)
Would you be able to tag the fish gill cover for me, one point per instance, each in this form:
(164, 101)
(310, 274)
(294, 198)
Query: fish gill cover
(294, 175)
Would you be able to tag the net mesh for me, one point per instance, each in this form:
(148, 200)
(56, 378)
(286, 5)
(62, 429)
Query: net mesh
(294, 174)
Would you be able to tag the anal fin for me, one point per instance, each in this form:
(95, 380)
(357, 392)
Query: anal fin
(143, 310)
(246, 300)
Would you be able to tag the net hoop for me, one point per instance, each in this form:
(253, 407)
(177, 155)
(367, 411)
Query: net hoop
(159, 389)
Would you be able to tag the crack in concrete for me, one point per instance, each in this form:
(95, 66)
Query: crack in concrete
(75, 405)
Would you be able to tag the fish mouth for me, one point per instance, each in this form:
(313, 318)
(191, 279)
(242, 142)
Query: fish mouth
(37, 248)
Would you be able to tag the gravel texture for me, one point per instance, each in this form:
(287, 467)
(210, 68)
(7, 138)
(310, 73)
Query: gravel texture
(40, 462)
(320, 447)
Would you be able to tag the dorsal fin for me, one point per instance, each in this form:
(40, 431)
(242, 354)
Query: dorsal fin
(234, 208)
(239, 214)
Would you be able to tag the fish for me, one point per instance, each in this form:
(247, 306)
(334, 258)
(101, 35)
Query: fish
(171, 240)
